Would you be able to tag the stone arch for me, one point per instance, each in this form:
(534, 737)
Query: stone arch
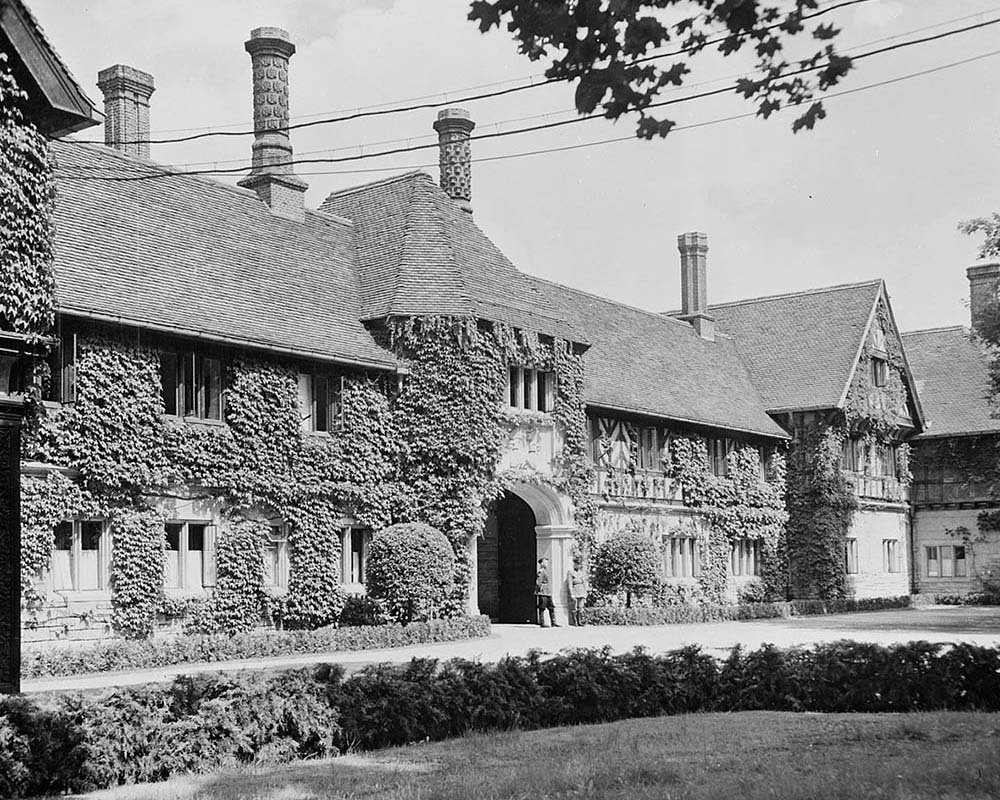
(551, 507)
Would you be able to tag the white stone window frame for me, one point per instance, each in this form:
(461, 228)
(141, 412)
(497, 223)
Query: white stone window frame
(353, 579)
(892, 556)
(947, 564)
(186, 582)
(277, 544)
(75, 560)
(681, 557)
(745, 557)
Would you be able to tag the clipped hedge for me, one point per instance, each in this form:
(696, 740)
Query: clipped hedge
(715, 612)
(118, 655)
(197, 724)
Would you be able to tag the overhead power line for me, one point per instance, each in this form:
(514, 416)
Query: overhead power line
(137, 173)
(469, 98)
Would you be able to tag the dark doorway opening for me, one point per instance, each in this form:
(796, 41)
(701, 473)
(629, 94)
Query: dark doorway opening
(507, 563)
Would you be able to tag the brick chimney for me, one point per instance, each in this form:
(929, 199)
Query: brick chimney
(271, 176)
(454, 126)
(694, 289)
(126, 108)
(984, 282)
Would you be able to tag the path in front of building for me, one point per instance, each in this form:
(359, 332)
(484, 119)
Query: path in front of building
(934, 623)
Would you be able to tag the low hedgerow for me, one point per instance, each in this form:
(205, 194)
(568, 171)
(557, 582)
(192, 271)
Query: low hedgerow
(715, 612)
(119, 655)
(75, 742)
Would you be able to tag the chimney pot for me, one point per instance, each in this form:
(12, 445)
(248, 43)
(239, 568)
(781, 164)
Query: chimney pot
(693, 247)
(455, 154)
(271, 176)
(984, 290)
(126, 93)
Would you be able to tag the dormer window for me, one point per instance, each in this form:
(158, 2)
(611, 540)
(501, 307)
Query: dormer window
(530, 389)
(880, 371)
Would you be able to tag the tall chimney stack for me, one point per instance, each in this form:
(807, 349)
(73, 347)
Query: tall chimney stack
(454, 126)
(126, 108)
(271, 176)
(984, 297)
(694, 288)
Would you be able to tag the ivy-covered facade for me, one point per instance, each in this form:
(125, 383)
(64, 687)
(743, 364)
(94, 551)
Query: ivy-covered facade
(241, 390)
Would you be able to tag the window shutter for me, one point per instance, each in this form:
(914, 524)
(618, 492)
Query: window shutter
(305, 401)
(208, 559)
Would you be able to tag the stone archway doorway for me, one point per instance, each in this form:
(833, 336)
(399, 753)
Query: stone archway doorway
(529, 521)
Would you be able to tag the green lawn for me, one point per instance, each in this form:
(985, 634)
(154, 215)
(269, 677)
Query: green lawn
(742, 756)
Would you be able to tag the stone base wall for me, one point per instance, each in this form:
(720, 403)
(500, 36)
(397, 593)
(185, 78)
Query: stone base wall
(69, 618)
(871, 529)
(930, 528)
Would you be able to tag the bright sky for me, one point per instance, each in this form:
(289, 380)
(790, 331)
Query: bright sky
(875, 191)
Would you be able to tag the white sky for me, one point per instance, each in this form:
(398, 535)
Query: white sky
(875, 191)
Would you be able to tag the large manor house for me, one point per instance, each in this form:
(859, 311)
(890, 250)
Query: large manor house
(797, 445)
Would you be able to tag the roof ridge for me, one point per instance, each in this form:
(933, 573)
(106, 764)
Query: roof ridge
(821, 290)
(372, 184)
(114, 152)
(608, 300)
(938, 329)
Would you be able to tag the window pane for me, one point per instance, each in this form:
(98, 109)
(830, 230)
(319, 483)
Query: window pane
(358, 539)
(321, 403)
(947, 563)
(62, 565)
(543, 383)
(211, 388)
(932, 563)
(172, 555)
(168, 382)
(64, 536)
(530, 396)
(336, 403)
(514, 383)
(190, 387)
(960, 562)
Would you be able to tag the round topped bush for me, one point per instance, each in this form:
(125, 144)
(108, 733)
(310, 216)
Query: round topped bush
(410, 567)
(628, 563)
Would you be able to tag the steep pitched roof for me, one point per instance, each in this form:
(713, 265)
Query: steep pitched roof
(418, 253)
(801, 348)
(953, 380)
(56, 103)
(204, 258)
(651, 364)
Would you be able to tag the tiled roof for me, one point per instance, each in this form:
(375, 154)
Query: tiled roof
(651, 364)
(419, 253)
(203, 257)
(953, 381)
(801, 348)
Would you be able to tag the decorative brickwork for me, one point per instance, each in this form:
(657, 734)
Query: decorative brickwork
(454, 126)
(126, 108)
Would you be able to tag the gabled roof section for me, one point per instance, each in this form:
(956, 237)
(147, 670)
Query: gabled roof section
(420, 254)
(801, 348)
(56, 104)
(952, 377)
(204, 258)
(646, 363)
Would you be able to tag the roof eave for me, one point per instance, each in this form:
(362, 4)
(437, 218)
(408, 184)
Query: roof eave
(687, 420)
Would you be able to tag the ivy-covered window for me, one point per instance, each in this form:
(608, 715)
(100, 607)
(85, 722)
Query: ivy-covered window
(276, 558)
(321, 402)
(681, 557)
(718, 452)
(891, 555)
(745, 557)
(188, 558)
(80, 556)
(192, 384)
(354, 550)
(851, 556)
(62, 365)
(530, 389)
(880, 371)
(945, 561)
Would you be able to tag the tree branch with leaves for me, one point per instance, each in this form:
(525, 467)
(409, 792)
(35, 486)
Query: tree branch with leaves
(609, 47)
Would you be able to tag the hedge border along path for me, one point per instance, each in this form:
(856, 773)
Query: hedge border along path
(75, 742)
(121, 654)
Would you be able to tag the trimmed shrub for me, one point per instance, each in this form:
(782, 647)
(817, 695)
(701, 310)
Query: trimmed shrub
(409, 573)
(709, 612)
(118, 655)
(627, 563)
(80, 742)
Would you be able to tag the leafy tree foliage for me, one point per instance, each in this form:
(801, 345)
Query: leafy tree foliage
(627, 562)
(410, 571)
(610, 48)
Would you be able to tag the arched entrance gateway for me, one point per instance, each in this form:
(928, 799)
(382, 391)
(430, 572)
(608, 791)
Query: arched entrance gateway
(530, 521)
